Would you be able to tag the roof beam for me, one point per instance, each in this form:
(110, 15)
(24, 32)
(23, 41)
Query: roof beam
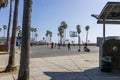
(108, 22)
(109, 11)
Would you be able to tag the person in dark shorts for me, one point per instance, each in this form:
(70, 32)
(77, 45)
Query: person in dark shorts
(52, 45)
(69, 46)
(86, 49)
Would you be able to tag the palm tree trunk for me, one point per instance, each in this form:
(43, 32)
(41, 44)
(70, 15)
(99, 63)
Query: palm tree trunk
(86, 38)
(60, 40)
(79, 43)
(50, 39)
(64, 38)
(9, 23)
(4, 33)
(65, 34)
(32, 37)
(25, 50)
(11, 62)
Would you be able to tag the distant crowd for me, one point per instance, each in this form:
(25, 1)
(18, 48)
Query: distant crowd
(58, 45)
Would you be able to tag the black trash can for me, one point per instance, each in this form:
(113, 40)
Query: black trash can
(106, 64)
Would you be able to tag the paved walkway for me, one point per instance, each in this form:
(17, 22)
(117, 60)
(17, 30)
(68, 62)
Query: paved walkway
(83, 66)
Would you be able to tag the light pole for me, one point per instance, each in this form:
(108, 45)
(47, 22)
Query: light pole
(79, 43)
(78, 31)
(97, 17)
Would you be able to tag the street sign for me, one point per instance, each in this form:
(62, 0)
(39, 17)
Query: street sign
(73, 34)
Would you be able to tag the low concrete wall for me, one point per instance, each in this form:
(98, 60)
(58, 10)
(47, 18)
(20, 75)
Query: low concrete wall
(3, 48)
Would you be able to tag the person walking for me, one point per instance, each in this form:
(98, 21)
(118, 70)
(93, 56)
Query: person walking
(69, 46)
(52, 45)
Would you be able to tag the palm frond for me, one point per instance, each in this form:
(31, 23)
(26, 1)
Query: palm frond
(3, 3)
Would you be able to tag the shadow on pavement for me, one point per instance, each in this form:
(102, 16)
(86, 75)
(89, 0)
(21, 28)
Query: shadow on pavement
(3, 73)
(66, 75)
(89, 74)
(97, 74)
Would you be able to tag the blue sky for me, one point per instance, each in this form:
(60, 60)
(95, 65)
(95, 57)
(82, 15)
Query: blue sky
(48, 14)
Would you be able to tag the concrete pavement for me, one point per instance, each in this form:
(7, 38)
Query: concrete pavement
(83, 66)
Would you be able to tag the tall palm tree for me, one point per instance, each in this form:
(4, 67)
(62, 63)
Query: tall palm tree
(43, 38)
(25, 50)
(0, 29)
(78, 31)
(3, 3)
(87, 28)
(60, 31)
(58, 34)
(11, 63)
(64, 25)
(35, 30)
(46, 35)
(9, 24)
(4, 27)
(32, 30)
(50, 33)
(36, 35)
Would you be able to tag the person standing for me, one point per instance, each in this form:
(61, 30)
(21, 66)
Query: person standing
(58, 45)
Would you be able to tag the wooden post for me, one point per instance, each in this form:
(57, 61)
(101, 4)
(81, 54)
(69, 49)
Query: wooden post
(103, 30)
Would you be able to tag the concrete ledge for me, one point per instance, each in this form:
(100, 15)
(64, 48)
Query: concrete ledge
(3, 48)
(3, 53)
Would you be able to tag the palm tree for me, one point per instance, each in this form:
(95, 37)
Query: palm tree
(3, 3)
(4, 27)
(0, 29)
(25, 50)
(87, 28)
(46, 35)
(78, 31)
(58, 34)
(49, 33)
(64, 25)
(32, 30)
(36, 35)
(35, 29)
(9, 24)
(11, 63)
(43, 38)
(61, 31)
